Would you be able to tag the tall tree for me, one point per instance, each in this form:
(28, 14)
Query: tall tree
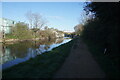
(29, 16)
(36, 21)
(104, 29)
(78, 28)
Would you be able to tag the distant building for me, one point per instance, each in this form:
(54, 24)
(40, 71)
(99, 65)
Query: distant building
(6, 24)
(57, 33)
(68, 32)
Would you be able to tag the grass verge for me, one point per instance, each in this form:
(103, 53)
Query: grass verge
(42, 66)
(112, 71)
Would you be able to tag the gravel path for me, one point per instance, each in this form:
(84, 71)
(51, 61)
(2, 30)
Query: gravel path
(80, 64)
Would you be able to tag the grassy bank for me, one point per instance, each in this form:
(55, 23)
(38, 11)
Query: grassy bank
(43, 66)
(105, 62)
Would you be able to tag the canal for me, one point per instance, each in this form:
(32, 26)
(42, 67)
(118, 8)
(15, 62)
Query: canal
(15, 53)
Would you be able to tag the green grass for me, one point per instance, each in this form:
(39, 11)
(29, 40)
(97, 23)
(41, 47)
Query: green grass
(112, 72)
(42, 66)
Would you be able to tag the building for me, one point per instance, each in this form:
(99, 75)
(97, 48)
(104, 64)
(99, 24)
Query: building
(5, 25)
(68, 32)
(57, 33)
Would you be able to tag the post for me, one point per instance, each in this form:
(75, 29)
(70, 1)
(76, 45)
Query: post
(3, 33)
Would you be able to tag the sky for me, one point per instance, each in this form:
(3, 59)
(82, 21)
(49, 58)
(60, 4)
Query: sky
(59, 15)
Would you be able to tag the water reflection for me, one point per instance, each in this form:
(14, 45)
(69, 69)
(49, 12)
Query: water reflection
(15, 53)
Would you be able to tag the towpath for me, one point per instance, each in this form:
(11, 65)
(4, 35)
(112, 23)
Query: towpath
(80, 64)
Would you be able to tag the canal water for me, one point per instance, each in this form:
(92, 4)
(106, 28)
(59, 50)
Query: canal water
(15, 53)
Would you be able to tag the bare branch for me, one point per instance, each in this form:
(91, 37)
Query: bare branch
(35, 20)
(29, 16)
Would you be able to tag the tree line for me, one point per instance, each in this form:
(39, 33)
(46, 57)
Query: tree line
(103, 28)
(34, 29)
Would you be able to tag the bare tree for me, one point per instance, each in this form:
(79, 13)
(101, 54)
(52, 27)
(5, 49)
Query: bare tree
(29, 16)
(38, 21)
(35, 20)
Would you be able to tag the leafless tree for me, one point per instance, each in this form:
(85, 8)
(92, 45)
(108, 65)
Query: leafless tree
(35, 20)
(38, 21)
(29, 16)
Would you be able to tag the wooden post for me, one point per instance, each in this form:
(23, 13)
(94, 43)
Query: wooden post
(3, 35)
